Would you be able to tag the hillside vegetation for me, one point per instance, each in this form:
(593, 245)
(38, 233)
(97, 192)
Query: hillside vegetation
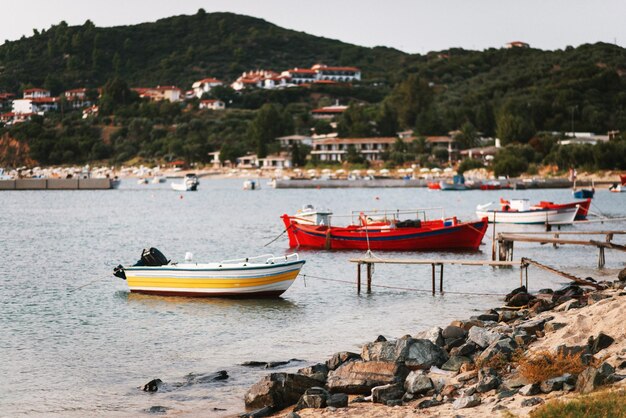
(516, 94)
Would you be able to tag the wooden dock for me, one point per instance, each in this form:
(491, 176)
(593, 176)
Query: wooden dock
(505, 242)
(523, 263)
(57, 184)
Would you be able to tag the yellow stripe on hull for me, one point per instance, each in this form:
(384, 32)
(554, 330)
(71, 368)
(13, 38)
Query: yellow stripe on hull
(209, 283)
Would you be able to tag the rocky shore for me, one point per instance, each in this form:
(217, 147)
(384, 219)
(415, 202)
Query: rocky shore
(538, 347)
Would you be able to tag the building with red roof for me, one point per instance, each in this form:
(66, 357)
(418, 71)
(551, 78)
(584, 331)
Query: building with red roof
(204, 86)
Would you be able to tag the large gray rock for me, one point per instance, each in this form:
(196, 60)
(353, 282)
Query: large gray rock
(531, 327)
(314, 397)
(415, 353)
(338, 400)
(359, 377)
(318, 372)
(503, 348)
(592, 378)
(466, 402)
(452, 331)
(417, 383)
(278, 390)
(622, 275)
(340, 358)
(556, 383)
(433, 334)
(386, 393)
(488, 379)
(454, 363)
(482, 337)
(600, 342)
(530, 389)
(531, 402)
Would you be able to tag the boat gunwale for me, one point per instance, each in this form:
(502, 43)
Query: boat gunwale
(171, 267)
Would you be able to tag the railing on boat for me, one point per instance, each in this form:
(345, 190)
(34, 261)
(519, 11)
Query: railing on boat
(269, 258)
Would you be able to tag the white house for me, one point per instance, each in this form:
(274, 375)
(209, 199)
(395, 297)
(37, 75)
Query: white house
(328, 112)
(35, 93)
(274, 161)
(39, 105)
(212, 104)
(204, 86)
(289, 140)
(334, 149)
(77, 98)
(171, 93)
(256, 79)
(298, 76)
(248, 161)
(337, 74)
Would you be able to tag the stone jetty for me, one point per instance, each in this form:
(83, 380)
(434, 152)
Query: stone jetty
(538, 347)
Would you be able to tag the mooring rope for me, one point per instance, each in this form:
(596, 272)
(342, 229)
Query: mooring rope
(413, 289)
(279, 235)
(87, 284)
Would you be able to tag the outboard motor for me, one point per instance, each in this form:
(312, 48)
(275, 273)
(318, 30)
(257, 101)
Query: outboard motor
(152, 258)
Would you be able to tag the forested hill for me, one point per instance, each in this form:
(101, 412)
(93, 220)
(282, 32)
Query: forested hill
(175, 50)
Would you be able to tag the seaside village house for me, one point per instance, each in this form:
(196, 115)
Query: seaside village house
(271, 162)
(204, 86)
(158, 93)
(77, 98)
(335, 149)
(328, 112)
(319, 73)
(212, 104)
(446, 142)
(35, 101)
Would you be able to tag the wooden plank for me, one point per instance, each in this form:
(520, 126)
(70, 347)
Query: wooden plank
(619, 232)
(578, 280)
(431, 261)
(545, 240)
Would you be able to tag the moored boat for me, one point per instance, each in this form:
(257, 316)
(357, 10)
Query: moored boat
(433, 185)
(519, 211)
(190, 184)
(457, 184)
(385, 234)
(260, 276)
(581, 214)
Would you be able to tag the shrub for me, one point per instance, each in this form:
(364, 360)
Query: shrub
(546, 365)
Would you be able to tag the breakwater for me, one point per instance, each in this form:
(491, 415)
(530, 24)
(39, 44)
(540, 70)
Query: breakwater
(390, 183)
(56, 184)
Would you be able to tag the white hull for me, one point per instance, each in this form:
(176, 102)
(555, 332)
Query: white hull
(562, 216)
(618, 189)
(246, 279)
(181, 187)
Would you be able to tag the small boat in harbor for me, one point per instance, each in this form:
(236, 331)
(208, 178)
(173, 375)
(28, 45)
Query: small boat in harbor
(159, 179)
(583, 193)
(251, 185)
(190, 184)
(619, 188)
(433, 185)
(491, 185)
(519, 211)
(260, 276)
(581, 215)
(457, 184)
(383, 231)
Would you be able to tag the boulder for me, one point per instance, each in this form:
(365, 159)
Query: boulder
(531, 402)
(600, 342)
(520, 299)
(566, 306)
(451, 343)
(359, 377)
(337, 400)
(531, 327)
(503, 348)
(318, 372)
(464, 377)
(540, 305)
(278, 390)
(266, 411)
(340, 358)
(553, 326)
(530, 390)
(488, 317)
(417, 383)
(482, 337)
(466, 402)
(385, 393)
(433, 334)
(153, 385)
(452, 331)
(556, 383)
(521, 289)
(380, 338)
(454, 363)
(422, 354)
(428, 403)
(507, 316)
(507, 393)
(622, 275)
(449, 391)
(393, 351)
(314, 397)
(592, 378)
(192, 378)
(488, 379)
(572, 351)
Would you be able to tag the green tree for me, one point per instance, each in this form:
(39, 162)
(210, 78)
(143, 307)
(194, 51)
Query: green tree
(115, 94)
(410, 98)
(268, 124)
(511, 128)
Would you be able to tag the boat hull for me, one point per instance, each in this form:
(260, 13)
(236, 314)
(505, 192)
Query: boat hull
(253, 281)
(463, 236)
(583, 207)
(584, 194)
(541, 216)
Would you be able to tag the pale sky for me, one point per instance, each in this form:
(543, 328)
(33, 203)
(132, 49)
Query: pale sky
(415, 26)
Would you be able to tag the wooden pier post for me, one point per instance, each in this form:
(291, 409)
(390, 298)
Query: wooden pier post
(433, 266)
(601, 259)
(493, 238)
(441, 278)
(525, 268)
(358, 278)
(369, 278)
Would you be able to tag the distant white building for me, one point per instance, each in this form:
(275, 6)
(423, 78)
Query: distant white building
(337, 74)
(204, 86)
(158, 93)
(39, 105)
(77, 98)
(328, 112)
(212, 104)
(35, 93)
(275, 161)
(583, 138)
(289, 140)
(516, 44)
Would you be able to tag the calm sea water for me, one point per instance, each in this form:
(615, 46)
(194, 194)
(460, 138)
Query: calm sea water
(85, 352)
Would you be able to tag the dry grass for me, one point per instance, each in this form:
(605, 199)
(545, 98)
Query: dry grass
(546, 365)
(500, 362)
(606, 404)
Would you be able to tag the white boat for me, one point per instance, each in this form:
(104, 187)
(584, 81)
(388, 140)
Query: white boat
(260, 276)
(519, 211)
(158, 179)
(190, 184)
(251, 185)
(620, 188)
(142, 181)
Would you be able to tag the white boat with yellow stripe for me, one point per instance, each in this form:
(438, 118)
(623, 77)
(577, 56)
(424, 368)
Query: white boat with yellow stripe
(252, 277)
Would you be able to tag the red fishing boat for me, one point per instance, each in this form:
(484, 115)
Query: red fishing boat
(581, 215)
(384, 234)
(433, 185)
